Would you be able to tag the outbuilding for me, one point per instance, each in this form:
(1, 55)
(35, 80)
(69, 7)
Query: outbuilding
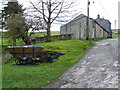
(77, 27)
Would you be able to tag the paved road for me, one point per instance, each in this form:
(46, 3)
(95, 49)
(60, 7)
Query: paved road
(98, 69)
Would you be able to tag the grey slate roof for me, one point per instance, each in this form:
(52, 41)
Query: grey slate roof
(78, 17)
(103, 22)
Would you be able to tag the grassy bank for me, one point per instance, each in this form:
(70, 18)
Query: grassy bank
(36, 76)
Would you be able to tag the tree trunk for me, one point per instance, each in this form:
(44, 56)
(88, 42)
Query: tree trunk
(14, 42)
(48, 33)
(26, 40)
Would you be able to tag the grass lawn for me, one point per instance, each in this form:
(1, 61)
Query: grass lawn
(36, 76)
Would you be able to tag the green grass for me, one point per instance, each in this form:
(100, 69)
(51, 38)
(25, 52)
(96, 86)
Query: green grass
(115, 35)
(36, 76)
(96, 39)
(7, 42)
(42, 34)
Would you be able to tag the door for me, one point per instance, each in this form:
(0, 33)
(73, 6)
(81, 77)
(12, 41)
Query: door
(79, 31)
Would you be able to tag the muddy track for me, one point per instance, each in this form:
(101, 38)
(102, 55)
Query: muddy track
(98, 69)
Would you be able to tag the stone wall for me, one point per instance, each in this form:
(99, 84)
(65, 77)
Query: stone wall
(99, 31)
(78, 29)
(105, 34)
(53, 38)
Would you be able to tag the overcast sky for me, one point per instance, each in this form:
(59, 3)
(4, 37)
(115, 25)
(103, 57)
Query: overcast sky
(107, 9)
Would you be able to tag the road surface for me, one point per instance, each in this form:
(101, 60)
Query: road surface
(98, 69)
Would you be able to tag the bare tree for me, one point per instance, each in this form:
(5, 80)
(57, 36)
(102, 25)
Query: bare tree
(51, 10)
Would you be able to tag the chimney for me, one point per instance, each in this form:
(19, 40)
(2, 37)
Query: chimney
(98, 16)
(103, 17)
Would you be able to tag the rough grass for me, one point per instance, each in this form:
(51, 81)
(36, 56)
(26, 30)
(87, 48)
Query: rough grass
(36, 76)
(116, 35)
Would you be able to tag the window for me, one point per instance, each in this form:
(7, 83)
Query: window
(100, 31)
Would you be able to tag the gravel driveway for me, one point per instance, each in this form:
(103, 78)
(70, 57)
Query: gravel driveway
(98, 69)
